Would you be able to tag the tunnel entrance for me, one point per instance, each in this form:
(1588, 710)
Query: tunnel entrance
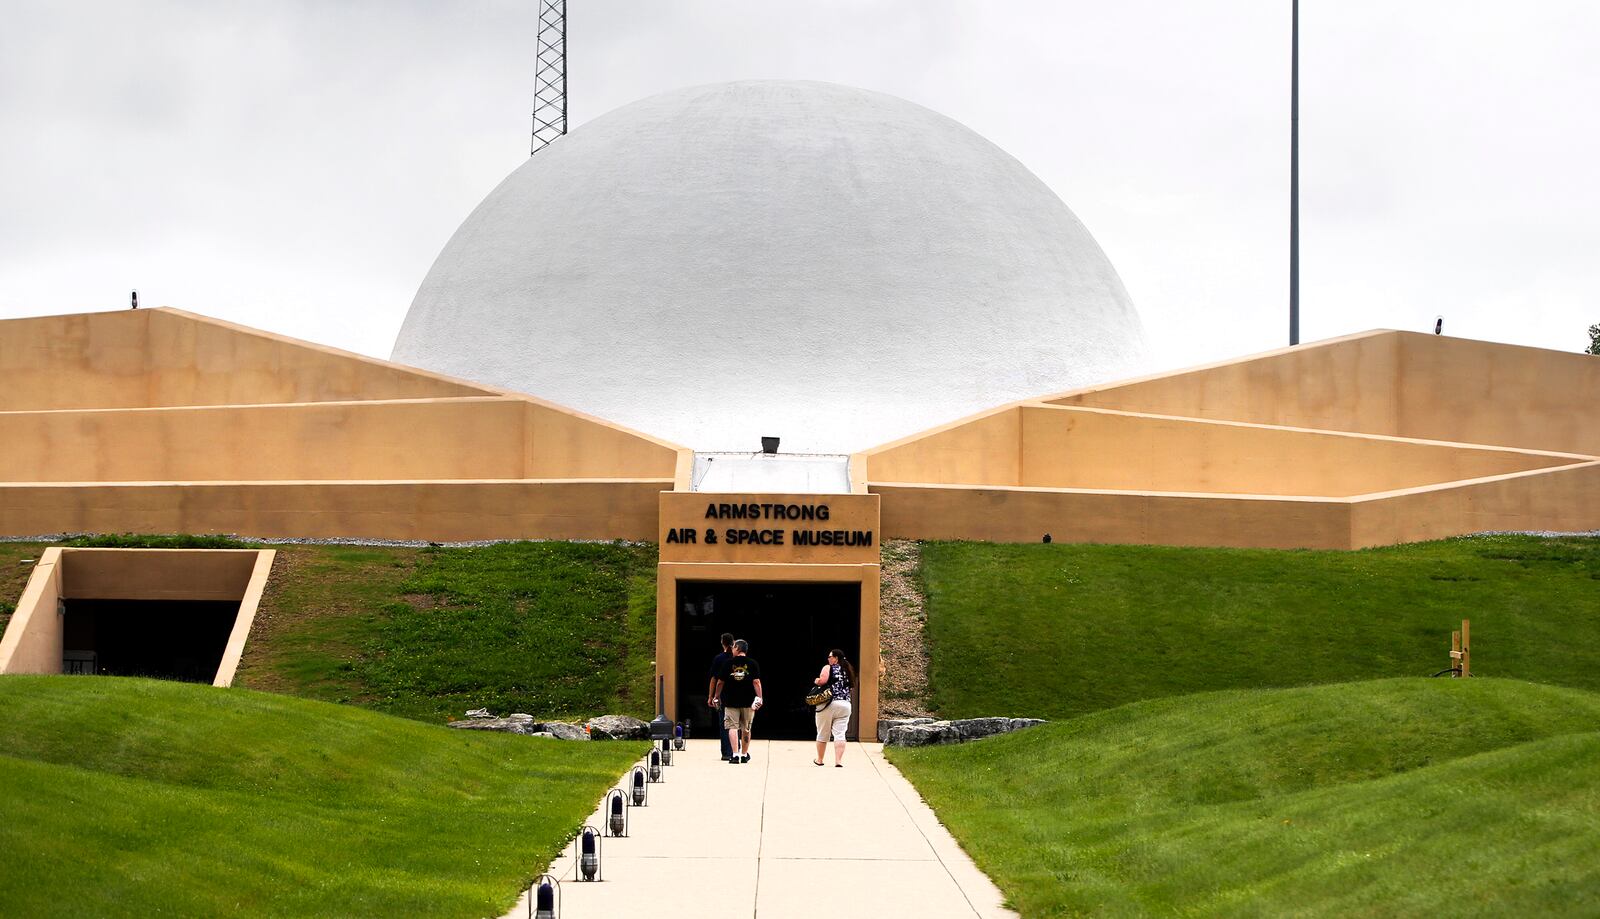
(790, 628)
(163, 639)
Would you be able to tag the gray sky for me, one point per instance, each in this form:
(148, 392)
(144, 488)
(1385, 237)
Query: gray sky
(296, 166)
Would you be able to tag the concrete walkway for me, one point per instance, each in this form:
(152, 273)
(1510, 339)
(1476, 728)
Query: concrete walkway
(778, 838)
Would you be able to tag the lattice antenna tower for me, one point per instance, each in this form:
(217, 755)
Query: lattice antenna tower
(550, 79)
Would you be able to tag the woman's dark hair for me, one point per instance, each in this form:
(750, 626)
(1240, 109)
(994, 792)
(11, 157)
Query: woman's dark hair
(844, 662)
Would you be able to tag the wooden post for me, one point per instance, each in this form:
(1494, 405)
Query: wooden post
(1461, 649)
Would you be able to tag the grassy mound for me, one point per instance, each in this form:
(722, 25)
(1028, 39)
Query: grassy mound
(555, 629)
(1392, 797)
(1060, 630)
(549, 628)
(123, 797)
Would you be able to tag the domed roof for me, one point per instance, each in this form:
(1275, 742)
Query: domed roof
(837, 267)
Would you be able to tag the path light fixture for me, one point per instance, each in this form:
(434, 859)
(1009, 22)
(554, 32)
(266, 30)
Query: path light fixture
(616, 812)
(655, 765)
(680, 734)
(666, 752)
(586, 853)
(545, 901)
(641, 795)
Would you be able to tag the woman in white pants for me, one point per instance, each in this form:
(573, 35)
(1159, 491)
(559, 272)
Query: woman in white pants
(834, 718)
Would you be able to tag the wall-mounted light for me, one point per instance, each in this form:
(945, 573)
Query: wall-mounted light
(616, 812)
(586, 853)
(545, 902)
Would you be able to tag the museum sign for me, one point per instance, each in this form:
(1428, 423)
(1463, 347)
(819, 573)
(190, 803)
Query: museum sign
(797, 529)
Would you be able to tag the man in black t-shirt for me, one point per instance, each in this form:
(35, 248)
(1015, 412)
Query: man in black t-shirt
(711, 693)
(738, 690)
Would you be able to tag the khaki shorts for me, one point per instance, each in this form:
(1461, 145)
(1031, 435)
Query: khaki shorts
(741, 718)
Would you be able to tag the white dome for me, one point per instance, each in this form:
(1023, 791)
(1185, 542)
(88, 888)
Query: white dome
(833, 266)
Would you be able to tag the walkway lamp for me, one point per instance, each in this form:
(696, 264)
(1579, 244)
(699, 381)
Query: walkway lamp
(586, 849)
(545, 903)
(617, 812)
(640, 793)
(655, 765)
(680, 735)
(666, 752)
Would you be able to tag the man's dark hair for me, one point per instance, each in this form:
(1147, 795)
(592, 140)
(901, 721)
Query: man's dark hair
(742, 646)
(727, 639)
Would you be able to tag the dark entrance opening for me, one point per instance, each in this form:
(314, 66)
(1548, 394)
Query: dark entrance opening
(790, 628)
(166, 639)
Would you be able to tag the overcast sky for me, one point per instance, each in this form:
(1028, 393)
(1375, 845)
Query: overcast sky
(296, 166)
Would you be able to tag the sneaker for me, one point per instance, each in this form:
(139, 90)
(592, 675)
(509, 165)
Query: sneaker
(745, 758)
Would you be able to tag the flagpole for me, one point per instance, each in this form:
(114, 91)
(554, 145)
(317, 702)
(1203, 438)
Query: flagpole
(1294, 173)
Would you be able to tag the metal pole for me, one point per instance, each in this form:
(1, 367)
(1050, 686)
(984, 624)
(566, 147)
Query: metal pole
(1294, 173)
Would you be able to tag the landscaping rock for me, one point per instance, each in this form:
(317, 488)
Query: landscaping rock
(618, 727)
(925, 732)
(884, 725)
(517, 723)
(922, 735)
(565, 730)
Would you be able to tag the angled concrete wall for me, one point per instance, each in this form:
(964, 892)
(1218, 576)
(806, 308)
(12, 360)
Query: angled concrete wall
(157, 357)
(436, 510)
(1405, 384)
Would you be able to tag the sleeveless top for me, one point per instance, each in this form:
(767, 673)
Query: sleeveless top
(839, 684)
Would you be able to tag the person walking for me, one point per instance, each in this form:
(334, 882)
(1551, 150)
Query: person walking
(738, 691)
(833, 719)
(711, 694)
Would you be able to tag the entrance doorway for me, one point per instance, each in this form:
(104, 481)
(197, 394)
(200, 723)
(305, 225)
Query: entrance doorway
(790, 628)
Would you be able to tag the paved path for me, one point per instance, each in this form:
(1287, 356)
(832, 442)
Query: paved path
(778, 838)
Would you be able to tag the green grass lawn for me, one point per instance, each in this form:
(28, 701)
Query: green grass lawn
(555, 629)
(1383, 798)
(1059, 630)
(122, 797)
(550, 628)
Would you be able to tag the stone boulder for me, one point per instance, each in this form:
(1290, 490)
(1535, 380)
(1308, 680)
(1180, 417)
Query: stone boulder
(516, 723)
(618, 727)
(885, 724)
(565, 730)
(922, 735)
(925, 732)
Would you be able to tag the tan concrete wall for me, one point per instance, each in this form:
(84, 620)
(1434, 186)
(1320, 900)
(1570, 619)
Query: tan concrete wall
(996, 514)
(33, 639)
(1566, 499)
(1089, 448)
(1406, 384)
(986, 448)
(1343, 384)
(156, 574)
(1486, 393)
(440, 510)
(450, 439)
(869, 668)
(140, 358)
(562, 444)
(249, 602)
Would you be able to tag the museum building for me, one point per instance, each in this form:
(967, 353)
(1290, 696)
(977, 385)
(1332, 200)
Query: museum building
(769, 325)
